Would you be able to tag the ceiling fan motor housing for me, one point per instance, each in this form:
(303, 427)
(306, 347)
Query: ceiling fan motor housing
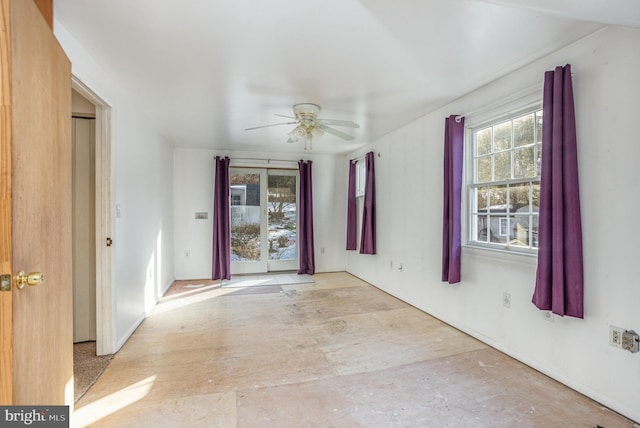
(306, 113)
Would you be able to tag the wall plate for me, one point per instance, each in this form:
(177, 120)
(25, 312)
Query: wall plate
(615, 336)
(630, 341)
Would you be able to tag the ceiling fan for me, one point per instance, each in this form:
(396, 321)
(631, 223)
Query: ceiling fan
(310, 126)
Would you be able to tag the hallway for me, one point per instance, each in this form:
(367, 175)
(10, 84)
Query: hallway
(334, 353)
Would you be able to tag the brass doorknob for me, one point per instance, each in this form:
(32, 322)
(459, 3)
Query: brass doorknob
(34, 278)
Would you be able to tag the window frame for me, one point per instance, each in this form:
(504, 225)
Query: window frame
(530, 103)
(361, 177)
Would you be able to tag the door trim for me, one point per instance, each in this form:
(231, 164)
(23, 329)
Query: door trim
(105, 325)
(6, 297)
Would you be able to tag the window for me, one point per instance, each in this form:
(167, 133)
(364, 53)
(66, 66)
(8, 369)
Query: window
(236, 199)
(504, 226)
(504, 185)
(361, 175)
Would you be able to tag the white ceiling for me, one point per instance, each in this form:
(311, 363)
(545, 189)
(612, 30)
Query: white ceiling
(205, 70)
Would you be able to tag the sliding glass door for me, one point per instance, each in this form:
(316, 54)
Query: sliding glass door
(282, 228)
(248, 197)
(264, 220)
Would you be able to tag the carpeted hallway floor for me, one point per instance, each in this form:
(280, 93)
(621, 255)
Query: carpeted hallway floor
(87, 366)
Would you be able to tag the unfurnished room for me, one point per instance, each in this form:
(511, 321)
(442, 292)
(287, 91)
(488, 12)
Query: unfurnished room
(354, 213)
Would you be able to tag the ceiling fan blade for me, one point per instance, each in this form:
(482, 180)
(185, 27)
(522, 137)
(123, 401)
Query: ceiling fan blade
(282, 115)
(335, 122)
(275, 124)
(335, 132)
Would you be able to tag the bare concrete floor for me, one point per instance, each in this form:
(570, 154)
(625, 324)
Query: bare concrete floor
(334, 353)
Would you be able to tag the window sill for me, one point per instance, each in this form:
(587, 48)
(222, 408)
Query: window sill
(501, 254)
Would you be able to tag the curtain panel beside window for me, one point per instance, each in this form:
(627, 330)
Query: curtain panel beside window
(368, 234)
(559, 277)
(221, 253)
(307, 255)
(451, 225)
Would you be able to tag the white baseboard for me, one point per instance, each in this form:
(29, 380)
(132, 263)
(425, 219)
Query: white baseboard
(193, 278)
(166, 287)
(331, 270)
(122, 340)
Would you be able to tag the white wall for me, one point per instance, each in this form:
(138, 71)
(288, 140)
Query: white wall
(193, 191)
(409, 184)
(142, 178)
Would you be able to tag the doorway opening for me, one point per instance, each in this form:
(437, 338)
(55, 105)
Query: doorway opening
(92, 224)
(264, 220)
(84, 225)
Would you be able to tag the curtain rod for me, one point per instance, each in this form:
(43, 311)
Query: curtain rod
(263, 160)
(268, 161)
(274, 168)
(361, 158)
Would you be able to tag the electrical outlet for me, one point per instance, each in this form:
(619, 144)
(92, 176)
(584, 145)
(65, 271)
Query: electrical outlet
(630, 341)
(548, 316)
(506, 300)
(615, 336)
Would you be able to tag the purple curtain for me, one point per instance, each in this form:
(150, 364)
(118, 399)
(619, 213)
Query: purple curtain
(559, 277)
(221, 260)
(352, 209)
(453, 151)
(307, 257)
(368, 235)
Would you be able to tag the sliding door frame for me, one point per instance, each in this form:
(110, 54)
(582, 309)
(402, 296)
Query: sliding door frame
(265, 265)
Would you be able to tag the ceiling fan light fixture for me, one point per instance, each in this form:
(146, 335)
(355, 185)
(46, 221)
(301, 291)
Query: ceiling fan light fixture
(317, 132)
(300, 131)
(309, 126)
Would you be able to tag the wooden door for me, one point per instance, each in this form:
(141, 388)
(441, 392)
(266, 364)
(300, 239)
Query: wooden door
(36, 359)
